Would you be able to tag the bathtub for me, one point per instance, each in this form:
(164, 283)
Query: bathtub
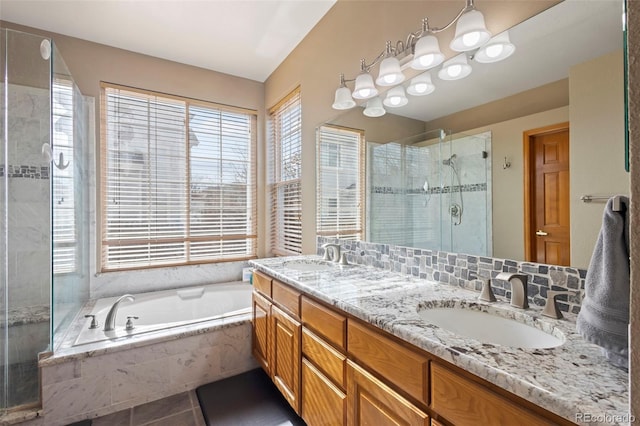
(163, 310)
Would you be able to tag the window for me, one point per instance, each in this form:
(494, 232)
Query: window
(340, 171)
(65, 240)
(285, 120)
(178, 181)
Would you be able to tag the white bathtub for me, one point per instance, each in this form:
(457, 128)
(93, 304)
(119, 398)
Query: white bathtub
(166, 309)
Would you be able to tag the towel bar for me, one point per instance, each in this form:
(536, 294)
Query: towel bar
(616, 200)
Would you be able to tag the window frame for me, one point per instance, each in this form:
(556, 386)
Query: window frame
(252, 216)
(338, 232)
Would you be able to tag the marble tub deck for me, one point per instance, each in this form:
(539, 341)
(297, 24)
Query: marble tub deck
(571, 380)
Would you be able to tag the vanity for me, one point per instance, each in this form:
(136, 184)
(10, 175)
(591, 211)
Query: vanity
(349, 345)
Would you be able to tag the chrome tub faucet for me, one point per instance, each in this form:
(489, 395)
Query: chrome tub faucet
(110, 321)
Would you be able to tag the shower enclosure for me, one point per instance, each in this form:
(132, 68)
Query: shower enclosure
(43, 208)
(431, 191)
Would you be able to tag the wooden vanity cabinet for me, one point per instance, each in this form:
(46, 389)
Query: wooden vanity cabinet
(276, 335)
(337, 370)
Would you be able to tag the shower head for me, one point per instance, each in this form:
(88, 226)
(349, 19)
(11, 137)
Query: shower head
(447, 161)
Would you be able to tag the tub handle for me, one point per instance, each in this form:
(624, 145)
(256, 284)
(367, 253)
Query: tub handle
(129, 325)
(94, 322)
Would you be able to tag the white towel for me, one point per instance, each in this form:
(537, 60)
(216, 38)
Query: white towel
(604, 315)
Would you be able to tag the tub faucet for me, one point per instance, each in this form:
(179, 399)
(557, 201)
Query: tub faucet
(335, 252)
(519, 297)
(110, 321)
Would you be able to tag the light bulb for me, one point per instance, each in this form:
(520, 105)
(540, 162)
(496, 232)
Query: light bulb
(390, 79)
(364, 93)
(454, 70)
(494, 50)
(426, 60)
(395, 100)
(470, 39)
(420, 87)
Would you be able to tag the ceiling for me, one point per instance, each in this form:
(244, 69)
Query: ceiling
(547, 45)
(246, 38)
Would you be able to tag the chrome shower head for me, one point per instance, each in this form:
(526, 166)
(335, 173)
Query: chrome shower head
(447, 161)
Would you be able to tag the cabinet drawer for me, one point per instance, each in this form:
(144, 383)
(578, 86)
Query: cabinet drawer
(286, 297)
(331, 362)
(462, 401)
(262, 283)
(404, 368)
(328, 324)
(323, 404)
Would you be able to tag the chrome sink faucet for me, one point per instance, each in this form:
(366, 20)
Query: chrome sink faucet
(519, 293)
(333, 254)
(110, 321)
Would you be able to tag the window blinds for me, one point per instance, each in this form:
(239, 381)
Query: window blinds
(178, 181)
(65, 246)
(340, 174)
(285, 121)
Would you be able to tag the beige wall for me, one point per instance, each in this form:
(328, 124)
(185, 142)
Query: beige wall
(358, 29)
(634, 140)
(596, 112)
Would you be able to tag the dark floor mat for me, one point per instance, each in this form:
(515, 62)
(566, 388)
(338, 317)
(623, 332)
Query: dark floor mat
(249, 399)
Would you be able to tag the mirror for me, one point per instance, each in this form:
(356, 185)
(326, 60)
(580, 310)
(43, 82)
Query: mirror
(567, 67)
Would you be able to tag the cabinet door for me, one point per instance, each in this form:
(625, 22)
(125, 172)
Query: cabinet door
(323, 403)
(371, 402)
(285, 364)
(261, 332)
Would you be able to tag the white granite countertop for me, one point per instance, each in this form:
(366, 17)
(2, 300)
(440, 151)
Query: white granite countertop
(573, 380)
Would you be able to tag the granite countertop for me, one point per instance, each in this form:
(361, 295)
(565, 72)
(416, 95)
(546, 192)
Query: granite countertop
(573, 380)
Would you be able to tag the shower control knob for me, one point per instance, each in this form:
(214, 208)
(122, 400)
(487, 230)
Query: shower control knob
(129, 325)
(94, 322)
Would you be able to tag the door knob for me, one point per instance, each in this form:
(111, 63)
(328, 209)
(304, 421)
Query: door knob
(541, 233)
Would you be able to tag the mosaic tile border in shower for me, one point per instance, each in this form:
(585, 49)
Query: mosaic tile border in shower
(22, 171)
(471, 187)
(468, 271)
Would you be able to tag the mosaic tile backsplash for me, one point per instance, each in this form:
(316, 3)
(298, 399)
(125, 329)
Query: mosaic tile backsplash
(468, 271)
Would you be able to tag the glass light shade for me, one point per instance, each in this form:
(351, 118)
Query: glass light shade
(390, 72)
(364, 88)
(427, 53)
(343, 99)
(471, 32)
(421, 85)
(395, 97)
(374, 108)
(496, 49)
(455, 68)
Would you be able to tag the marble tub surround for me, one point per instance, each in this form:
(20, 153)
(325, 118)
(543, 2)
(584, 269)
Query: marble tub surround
(94, 380)
(568, 380)
(468, 271)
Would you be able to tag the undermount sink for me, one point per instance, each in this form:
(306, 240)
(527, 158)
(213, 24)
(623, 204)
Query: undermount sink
(491, 325)
(308, 265)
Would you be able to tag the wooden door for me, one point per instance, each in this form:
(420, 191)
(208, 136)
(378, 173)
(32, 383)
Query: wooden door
(370, 402)
(285, 364)
(261, 331)
(547, 231)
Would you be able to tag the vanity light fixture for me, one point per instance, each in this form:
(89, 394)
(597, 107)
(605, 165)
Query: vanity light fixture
(374, 108)
(421, 51)
(390, 72)
(343, 99)
(421, 85)
(496, 49)
(395, 97)
(455, 68)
